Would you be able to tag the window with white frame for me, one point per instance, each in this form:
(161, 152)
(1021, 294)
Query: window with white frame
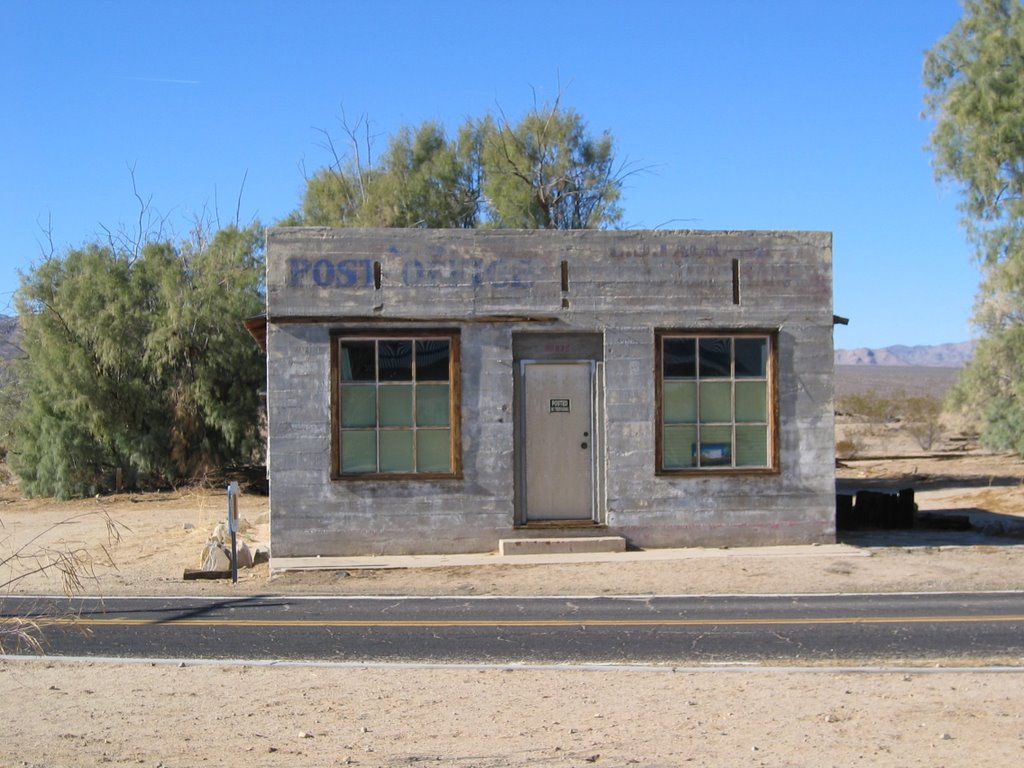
(395, 405)
(715, 402)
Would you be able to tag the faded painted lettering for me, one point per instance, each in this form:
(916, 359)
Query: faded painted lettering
(499, 273)
(563, 349)
(412, 272)
(325, 273)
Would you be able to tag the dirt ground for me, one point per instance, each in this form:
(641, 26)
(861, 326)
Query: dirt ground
(59, 713)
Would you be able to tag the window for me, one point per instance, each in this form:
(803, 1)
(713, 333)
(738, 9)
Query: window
(396, 405)
(715, 402)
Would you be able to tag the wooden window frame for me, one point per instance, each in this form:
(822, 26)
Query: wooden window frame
(772, 336)
(455, 400)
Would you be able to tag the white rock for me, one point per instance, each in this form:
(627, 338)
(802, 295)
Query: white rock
(243, 555)
(215, 557)
(221, 533)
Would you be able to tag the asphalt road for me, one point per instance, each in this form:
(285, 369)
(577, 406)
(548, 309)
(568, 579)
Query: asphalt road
(660, 630)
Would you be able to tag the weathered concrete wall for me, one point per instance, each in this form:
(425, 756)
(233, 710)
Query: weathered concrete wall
(491, 284)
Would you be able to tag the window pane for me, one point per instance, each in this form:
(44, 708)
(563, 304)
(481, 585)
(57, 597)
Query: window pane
(357, 361)
(715, 401)
(432, 406)
(715, 357)
(393, 404)
(751, 446)
(680, 406)
(433, 450)
(751, 358)
(358, 405)
(752, 401)
(359, 451)
(395, 360)
(679, 447)
(396, 451)
(432, 360)
(679, 358)
(716, 405)
(716, 447)
(396, 405)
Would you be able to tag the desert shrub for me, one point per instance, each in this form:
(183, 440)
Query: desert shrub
(849, 447)
(920, 416)
(922, 419)
(871, 408)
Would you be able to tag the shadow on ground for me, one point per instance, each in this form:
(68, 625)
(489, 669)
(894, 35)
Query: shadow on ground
(935, 529)
(924, 482)
(963, 526)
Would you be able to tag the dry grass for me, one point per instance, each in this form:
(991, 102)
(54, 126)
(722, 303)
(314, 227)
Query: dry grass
(47, 554)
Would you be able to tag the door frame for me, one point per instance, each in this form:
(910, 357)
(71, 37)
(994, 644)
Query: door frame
(597, 511)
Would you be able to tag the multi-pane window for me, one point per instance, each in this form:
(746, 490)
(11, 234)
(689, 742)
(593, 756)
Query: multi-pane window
(396, 405)
(715, 402)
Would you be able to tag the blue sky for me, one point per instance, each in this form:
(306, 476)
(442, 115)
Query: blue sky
(742, 114)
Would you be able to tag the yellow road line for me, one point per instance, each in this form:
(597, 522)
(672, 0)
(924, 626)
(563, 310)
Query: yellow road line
(434, 623)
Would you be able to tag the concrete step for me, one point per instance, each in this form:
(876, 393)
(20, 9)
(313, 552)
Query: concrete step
(561, 545)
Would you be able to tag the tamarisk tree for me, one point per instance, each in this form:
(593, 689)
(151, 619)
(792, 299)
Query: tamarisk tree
(137, 365)
(545, 171)
(975, 82)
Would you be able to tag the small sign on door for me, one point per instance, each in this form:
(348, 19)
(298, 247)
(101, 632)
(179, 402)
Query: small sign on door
(559, 405)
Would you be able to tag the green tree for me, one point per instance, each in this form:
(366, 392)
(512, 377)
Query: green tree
(545, 171)
(975, 82)
(202, 355)
(331, 199)
(425, 181)
(136, 361)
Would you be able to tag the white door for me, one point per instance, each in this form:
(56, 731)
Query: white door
(557, 407)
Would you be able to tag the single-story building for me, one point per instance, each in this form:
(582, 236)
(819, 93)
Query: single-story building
(434, 391)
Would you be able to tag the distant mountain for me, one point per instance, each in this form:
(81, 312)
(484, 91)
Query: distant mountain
(8, 337)
(934, 356)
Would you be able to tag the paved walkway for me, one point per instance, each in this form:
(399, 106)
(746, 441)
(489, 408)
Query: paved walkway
(281, 564)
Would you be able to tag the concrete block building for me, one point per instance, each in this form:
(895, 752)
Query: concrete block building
(435, 391)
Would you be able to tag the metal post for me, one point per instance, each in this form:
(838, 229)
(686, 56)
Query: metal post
(233, 527)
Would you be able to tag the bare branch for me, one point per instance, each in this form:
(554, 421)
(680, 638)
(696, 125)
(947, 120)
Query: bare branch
(143, 207)
(238, 205)
(329, 146)
(48, 232)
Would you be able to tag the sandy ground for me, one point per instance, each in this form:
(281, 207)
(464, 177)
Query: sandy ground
(55, 713)
(86, 715)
